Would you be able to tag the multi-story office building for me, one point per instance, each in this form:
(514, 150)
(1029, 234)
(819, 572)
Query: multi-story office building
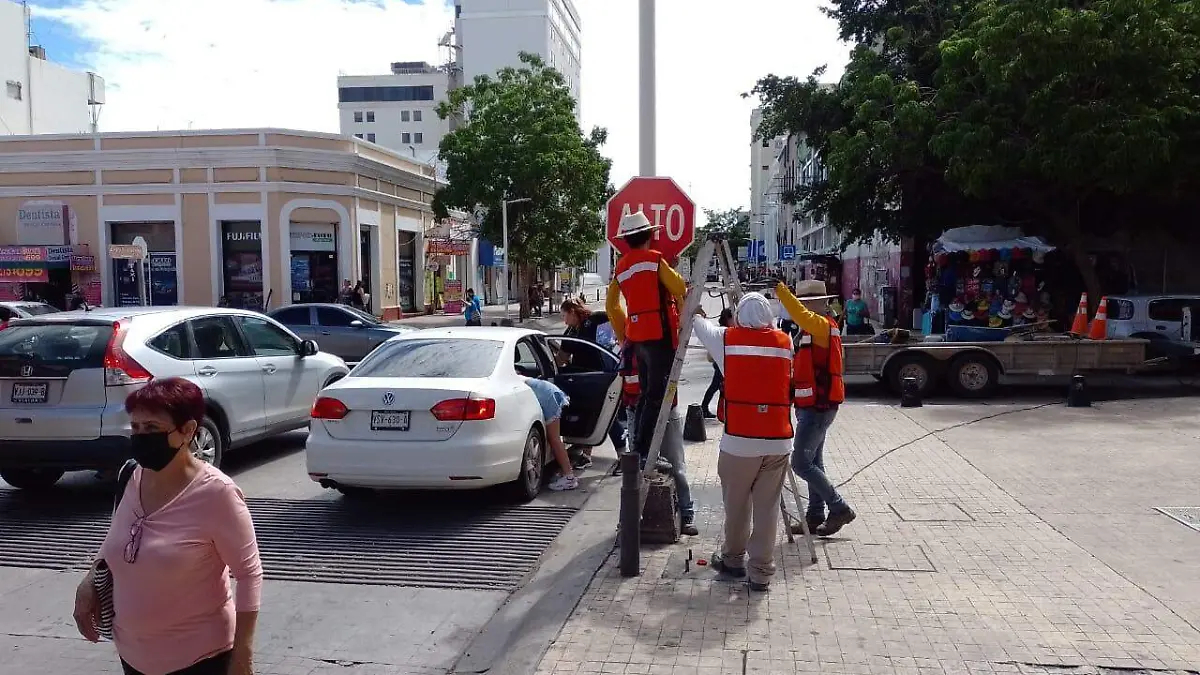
(36, 95)
(397, 111)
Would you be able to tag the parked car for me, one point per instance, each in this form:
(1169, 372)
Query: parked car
(1159, 319)
(342, 330)
(449, 408)
(64, 378)
(24, 309)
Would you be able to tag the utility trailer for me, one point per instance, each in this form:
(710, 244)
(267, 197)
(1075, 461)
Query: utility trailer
(973, 369)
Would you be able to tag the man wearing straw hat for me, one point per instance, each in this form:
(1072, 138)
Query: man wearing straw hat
(818, 391)
(653, 293)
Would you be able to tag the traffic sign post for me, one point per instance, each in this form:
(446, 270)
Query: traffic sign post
(788, 252)
(665, 204)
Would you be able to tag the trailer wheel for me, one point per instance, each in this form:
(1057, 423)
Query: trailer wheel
(973, 375)
(914, 365)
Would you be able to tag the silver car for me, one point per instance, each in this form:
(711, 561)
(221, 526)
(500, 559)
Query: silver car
(342, 330)
(24, 309)
(64, 378)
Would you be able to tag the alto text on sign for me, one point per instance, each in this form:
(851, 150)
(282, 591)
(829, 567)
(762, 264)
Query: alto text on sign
(666, 206)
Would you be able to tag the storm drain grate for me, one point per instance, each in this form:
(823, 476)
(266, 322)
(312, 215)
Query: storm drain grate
(1186, 515)
(853, 555)
(322, 541)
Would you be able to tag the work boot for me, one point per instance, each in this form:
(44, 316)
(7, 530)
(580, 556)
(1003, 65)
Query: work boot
(813, 524)
(760, 586)
(719, 564)
(688, 526)
(836, 521)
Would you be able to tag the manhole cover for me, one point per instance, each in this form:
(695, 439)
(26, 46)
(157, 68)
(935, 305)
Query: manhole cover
(930, 512)
(321, 541)
(1187, 515)
(852, 555)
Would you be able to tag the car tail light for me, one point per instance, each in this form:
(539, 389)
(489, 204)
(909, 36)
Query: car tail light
(464, 409)
(119, 367)
(326, 408)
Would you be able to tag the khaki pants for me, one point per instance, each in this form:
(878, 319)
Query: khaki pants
(751, 487)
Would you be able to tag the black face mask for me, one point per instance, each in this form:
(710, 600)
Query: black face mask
(152, 450)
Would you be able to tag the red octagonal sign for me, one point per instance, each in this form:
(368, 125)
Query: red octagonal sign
(664, 204)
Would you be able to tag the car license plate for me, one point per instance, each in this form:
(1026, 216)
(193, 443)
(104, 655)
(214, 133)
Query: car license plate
(30, 392)
(390, 420)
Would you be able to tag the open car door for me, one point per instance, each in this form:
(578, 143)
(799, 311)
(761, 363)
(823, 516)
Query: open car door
(589, 375)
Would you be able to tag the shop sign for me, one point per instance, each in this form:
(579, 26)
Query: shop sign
(313, 238)
(447, 247)
(22, 254)
(46, 223)
(454, 289)
(83, 263)
(58, 254)
(126, 252)
(24, 274)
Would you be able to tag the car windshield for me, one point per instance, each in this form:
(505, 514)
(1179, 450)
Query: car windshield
(78, 346)
(37, 310)
(363, 316)
(431, 357)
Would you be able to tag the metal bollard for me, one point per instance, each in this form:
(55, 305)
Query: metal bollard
(630, 534)
(910, 393)
(1078, 395)
(693, 424)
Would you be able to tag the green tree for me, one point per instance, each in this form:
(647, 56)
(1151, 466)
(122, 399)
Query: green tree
(1070, 118)
(733, 223)
(518, 138)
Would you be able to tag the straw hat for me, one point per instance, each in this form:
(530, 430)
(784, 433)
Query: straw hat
(634, 223)
(812, 289)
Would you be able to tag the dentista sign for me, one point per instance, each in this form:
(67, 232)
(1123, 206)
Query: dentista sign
(46, 223)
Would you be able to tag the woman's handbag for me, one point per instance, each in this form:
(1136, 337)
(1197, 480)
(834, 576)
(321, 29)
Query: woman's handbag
(102, 579)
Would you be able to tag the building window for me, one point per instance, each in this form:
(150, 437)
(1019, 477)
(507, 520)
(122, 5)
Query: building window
(766, 167)
(371, 137)
(766, 143)
(385, 94)
(359, 136)
(418, 138)
(416, 115)
(403, 115)
(14, 89)
(406, 138)
(358, 116)
(370, 116)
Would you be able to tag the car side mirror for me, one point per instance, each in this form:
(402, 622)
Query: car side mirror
(357, 324)
(308, 348)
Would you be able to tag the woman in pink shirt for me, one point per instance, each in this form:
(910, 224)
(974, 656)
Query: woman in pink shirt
(180, 531)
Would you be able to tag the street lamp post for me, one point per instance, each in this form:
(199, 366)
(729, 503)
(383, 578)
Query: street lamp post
(647, 127)
(504, 228)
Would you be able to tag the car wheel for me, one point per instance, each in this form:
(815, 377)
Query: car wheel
(208, 446)
(533, 460)
(31, 479)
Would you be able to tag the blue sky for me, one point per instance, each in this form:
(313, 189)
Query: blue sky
(180, 64)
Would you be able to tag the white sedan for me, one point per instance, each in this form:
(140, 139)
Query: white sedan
(449, 409)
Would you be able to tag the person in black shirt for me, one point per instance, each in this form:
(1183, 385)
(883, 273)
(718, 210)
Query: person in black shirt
(718, 380)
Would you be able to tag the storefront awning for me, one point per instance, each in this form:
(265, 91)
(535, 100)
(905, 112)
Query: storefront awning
(982, 237)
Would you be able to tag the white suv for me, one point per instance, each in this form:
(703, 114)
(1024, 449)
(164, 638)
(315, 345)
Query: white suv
(64, 378)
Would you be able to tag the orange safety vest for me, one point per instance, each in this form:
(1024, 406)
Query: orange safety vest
(651, 309)
(757, 401)
(817, 380)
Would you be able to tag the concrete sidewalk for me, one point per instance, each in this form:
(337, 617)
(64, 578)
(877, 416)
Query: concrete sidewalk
(990, 539)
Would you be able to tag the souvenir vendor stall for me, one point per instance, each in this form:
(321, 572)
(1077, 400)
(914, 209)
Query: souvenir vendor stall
(982, 277)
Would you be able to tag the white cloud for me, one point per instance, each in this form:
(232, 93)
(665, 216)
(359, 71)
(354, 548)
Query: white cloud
(175, 64)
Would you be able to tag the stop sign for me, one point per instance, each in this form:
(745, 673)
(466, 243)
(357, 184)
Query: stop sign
(665, 204)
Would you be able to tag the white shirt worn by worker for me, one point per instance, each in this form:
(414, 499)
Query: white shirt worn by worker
(753, 311)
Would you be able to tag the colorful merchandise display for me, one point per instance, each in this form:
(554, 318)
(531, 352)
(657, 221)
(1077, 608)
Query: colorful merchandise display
(989, 287)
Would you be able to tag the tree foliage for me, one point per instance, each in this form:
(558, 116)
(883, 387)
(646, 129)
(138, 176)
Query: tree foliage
(518, 137)
(733, 223)
(1070, 118)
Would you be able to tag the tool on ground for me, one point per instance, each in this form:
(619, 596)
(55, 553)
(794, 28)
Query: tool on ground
(731, 287)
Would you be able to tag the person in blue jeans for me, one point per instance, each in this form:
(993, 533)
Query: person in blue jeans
(473, 309)
(552, 401)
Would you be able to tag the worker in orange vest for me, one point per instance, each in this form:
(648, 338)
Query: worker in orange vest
(653, 293)
(818, 390)
(756, 409)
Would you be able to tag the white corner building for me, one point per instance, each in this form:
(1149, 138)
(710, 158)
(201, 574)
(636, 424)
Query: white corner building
(36, 95)
(398, 110)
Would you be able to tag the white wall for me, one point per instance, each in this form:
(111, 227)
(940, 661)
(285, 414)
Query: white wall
(14, 115)
(389, 126)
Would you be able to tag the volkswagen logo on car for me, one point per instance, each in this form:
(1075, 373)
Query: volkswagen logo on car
(389, 398)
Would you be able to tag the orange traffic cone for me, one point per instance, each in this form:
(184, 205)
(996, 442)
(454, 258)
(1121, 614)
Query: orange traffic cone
(1080, 325)
(1099, 328)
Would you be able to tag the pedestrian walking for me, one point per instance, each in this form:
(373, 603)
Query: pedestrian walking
(472, 309)
(756, 360)
(718, 380)
(346, 294)
(819, 390)
(857, 315)
(179, 531)
(653, 292)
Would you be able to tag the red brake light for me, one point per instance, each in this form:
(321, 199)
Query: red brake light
(464, 409)
(326, 408)
(119, 367)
